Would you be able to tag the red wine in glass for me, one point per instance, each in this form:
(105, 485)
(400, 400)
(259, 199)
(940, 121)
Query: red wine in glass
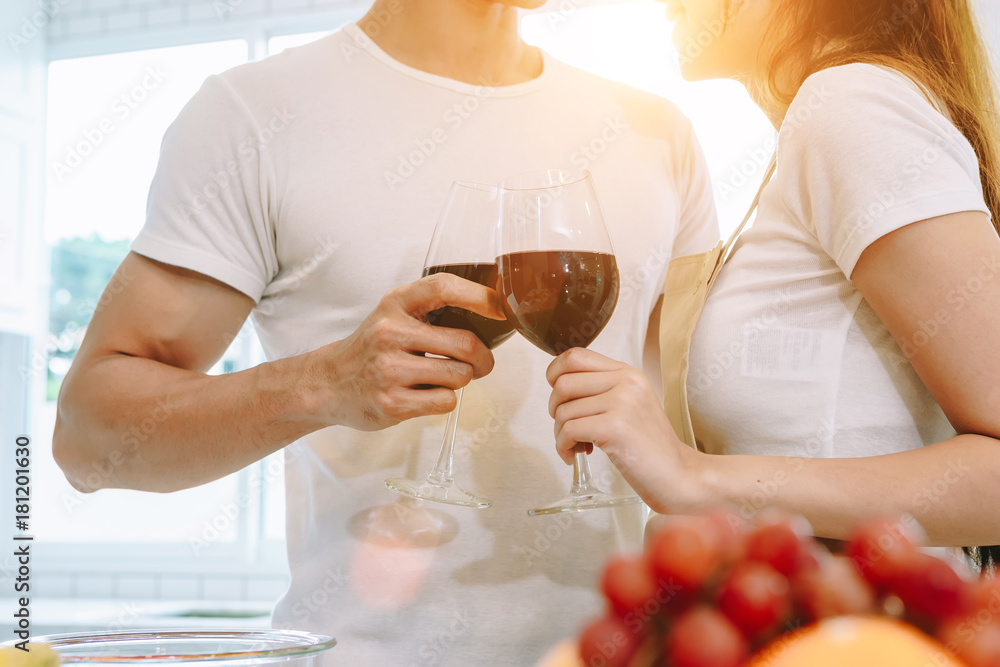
(491, 332)
(562, 298)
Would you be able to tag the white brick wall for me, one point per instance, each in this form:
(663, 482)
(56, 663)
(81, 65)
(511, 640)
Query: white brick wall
(80, 21)
(155, 586)
(99, 19)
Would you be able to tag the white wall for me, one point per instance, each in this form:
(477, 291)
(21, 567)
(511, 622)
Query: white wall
(22, 108)
(93, 27)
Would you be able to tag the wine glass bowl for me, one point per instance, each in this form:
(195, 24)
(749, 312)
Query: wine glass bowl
(463, 244)
(558, 282)
(491, 332)
(562, 298)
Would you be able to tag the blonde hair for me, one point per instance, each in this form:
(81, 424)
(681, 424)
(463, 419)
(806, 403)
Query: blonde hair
(937, 43)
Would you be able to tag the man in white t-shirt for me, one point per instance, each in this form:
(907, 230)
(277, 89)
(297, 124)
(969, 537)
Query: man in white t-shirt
(303, 189)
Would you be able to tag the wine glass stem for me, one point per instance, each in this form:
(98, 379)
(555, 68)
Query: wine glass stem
(582, 477)
(441, 474)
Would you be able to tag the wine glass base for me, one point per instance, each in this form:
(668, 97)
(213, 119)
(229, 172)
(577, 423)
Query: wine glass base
(448, 493)
(577, 502)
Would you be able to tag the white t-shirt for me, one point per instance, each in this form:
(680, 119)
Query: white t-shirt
(312, 181)
(788, 359)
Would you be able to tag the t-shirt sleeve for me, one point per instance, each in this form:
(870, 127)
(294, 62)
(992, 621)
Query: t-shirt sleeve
(208, 207)
(863, 153)
(698, 226)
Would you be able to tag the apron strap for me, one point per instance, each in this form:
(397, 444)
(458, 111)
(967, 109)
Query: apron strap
(730, 246)
(685, 291)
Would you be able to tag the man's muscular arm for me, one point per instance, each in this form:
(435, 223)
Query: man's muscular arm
(138, 411)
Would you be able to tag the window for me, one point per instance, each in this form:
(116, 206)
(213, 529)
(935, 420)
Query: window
(106, 118)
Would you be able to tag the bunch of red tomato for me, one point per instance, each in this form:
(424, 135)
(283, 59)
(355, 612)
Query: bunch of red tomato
(712, 591)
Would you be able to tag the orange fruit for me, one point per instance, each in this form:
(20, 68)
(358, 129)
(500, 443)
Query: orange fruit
(37, 655)
(858, 641)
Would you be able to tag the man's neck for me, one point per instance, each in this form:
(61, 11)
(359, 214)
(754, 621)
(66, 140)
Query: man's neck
(473, 41)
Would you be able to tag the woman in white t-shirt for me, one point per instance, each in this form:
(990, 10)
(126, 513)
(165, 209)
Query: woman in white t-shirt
(847, 361)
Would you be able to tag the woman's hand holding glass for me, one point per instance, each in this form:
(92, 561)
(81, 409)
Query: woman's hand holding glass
(612, 405)
(558, 281)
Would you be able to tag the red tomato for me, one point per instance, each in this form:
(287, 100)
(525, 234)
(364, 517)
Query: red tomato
(755, 597)
(607, 642)
(702, 637)
(777, 545)
(880, 549)
(728, 530)
(629, 586)
(685, 554)
(929, 587)
(833, 589)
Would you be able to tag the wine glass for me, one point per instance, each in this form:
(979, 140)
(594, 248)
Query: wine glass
(558, 281)
(463, 244)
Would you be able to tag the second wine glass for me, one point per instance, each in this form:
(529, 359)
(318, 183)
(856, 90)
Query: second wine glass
(463, 244)
(559, 283)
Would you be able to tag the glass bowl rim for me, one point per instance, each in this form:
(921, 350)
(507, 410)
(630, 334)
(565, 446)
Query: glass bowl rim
(306, 644)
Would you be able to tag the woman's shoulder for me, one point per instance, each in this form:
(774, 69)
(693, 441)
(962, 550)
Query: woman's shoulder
(860, 75)
(863, 151)
(847, 96)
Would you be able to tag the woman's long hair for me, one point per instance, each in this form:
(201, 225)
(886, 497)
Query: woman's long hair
(937, 43)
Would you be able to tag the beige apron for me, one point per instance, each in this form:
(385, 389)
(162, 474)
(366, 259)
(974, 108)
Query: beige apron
(688, 282)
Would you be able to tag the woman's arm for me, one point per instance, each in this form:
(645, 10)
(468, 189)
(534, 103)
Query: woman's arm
(936, 286)
(951, 488)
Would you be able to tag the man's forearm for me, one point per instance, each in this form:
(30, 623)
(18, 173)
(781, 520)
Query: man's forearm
(140, 424)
